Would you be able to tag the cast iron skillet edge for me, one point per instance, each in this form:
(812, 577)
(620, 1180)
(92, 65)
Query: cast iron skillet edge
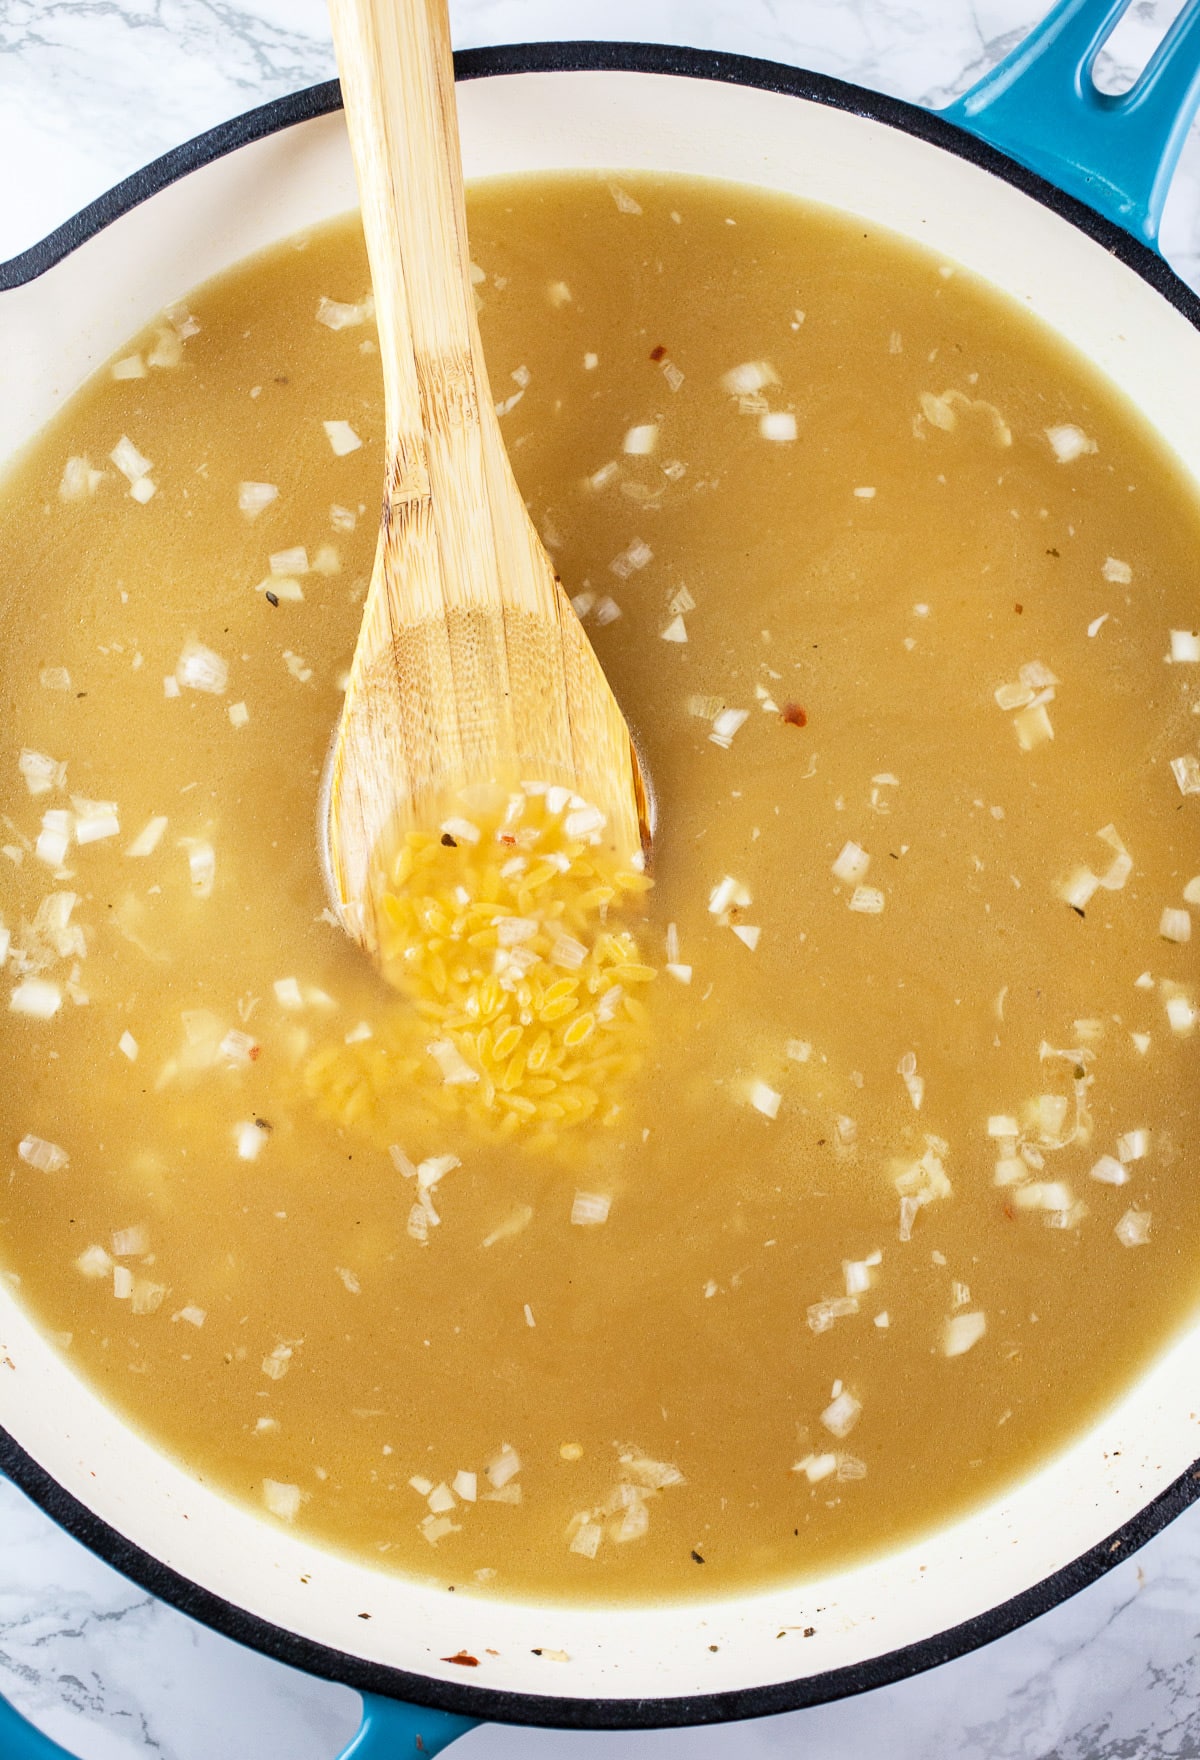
(486, 1704)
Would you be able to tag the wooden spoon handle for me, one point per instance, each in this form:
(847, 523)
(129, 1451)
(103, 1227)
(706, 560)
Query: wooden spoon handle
(443, 437)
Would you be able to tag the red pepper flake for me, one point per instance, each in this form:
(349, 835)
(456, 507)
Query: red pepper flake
(508, 838)
(464, 1659)
(794, 715)
(1018, 609)
(659, 353)
(254, 1053)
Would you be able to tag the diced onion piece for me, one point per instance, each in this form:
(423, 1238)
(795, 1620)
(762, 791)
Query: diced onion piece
(239, 715)
(249, 1138)
(441, 1499)
(763, 1098)
(1109, 1171)
(749, 377)
(149, 837)
(193, 1315)
(461, 830)
(37, 997)
(41, 773)
(54, 678)
(277, 1362)
(821, 1315)
(199, 669)
(79, 480)
(726, 725)
(1180, 1014)
(284, 588)
(681, 974)
(1175, 925)
(1002, 1124)
(585, 1537)
(1121, 866)
(777, 424)
(857, 1276)
(1141, 1042)
(503, 1467)
(906, 1069)
(852, 863)
(1051, 1195)
(1013, 696)
(1191, 891)
(1097, 624)
(1118, 572)
(128, 1046)
(1037, 676)
(95, 820)
(421, 1485)
(456, 1071)
(798, 1050)
(816, 1467)
(1069, 442)
(122, 1282)
(1078, 888)
(168, 346)
(962, 1331)
(1133, 1230)
(583, 821)
(202, 865)
(642, 440)
(676, 630)
(132, 366)
(283, 1500)
(291, 561)
(590, 1208)
(465, 1486)
(94, 1262)
(132, 1242)
(1009, 1170)
(129, 460)
(867, 899)
(1185, 646)
(725, 893)
(749, 933)
(287, 993)
(145, 489)
(46, 1157)
(1133, 1145)
(337, 316)
(342, 438)
(253, 497)
(1186, 771)
(147, 1296)
(1033, 727)
(842, 1414)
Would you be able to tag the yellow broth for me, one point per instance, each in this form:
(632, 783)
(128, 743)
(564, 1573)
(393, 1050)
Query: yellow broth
(818, 497)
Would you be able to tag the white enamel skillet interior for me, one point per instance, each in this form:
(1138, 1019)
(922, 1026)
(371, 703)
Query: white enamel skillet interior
(612, 107)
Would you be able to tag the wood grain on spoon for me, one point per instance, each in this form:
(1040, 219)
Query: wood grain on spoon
(471, 665)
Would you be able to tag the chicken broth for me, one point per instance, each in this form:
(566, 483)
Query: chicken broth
(898, 1190)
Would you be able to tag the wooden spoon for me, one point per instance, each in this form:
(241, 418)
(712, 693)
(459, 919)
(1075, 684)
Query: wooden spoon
(471, 666)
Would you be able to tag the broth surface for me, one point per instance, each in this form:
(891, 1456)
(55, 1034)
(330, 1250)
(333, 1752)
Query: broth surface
(904, 1191)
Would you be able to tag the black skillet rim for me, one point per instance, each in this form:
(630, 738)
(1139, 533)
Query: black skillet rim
(489, 1705)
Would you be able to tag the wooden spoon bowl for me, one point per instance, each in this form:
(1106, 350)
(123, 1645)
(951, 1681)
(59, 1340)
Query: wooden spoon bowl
(471, 665)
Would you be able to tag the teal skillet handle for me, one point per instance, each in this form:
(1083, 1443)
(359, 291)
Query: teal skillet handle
(388, 1731)
(20, 1741)
(1041, 107)
(391, 1731)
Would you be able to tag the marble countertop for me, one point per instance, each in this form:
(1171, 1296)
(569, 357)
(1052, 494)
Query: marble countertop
(91, 89)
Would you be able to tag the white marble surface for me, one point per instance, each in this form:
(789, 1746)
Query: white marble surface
(89, 90)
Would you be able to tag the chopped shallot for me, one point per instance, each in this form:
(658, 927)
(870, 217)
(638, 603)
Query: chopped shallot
(46, 1157)
(590, 1208)
(961, 1332)
(1133, 1230)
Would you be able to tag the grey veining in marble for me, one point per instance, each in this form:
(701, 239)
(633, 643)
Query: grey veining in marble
(89, 90)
